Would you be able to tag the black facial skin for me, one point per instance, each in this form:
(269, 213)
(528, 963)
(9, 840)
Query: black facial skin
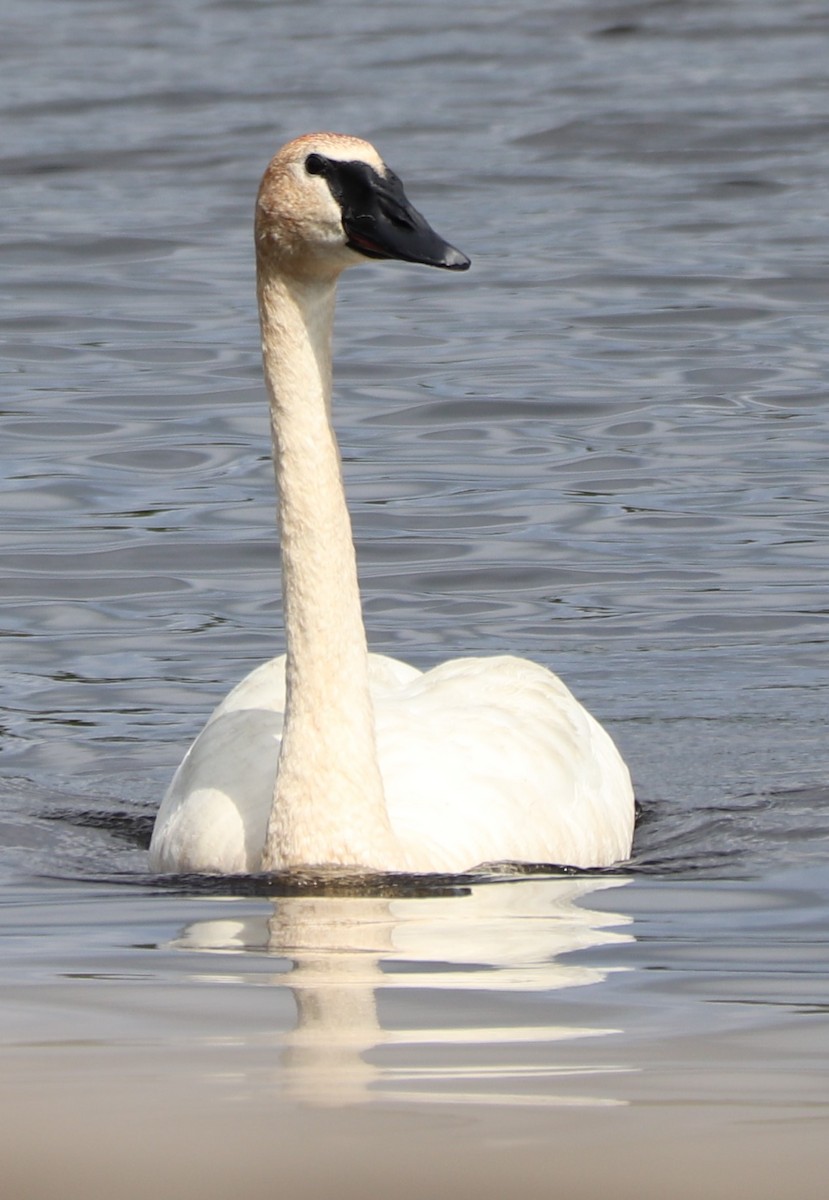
(378, 220)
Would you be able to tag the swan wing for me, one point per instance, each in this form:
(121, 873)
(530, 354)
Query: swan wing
(215, 813)
(493, 759)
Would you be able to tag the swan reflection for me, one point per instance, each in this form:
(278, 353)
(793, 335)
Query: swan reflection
(353, 964)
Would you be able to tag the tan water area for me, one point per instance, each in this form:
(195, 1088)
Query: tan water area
(258, 1149)
(545, 1035)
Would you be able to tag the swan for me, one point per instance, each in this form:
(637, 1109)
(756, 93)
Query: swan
(330, 756)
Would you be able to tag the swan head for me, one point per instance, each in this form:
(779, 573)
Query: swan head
(328, 201)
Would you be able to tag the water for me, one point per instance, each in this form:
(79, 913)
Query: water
(605, 448)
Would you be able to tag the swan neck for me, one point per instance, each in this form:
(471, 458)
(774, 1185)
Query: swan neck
(329, 805)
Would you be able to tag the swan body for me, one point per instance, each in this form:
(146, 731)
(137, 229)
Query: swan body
(330, 756)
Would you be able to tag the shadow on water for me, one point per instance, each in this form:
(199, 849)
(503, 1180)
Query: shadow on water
(732, 839)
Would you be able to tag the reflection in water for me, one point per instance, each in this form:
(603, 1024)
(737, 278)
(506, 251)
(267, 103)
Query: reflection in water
(344, 957)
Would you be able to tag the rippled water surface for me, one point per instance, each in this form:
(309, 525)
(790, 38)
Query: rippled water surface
(604, 447)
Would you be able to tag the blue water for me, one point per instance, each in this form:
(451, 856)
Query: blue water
(605, 447)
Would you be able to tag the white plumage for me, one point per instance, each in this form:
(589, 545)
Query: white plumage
(329, 755)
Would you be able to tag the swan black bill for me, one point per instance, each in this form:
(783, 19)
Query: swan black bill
(378, 219)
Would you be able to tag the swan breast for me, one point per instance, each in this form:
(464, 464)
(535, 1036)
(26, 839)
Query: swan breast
(482, 760)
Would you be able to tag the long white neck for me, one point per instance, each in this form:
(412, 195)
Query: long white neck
(329, 806)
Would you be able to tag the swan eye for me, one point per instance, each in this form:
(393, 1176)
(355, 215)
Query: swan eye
(315, 164)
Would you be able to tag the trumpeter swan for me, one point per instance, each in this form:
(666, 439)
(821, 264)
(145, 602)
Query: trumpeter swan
(330, 755)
